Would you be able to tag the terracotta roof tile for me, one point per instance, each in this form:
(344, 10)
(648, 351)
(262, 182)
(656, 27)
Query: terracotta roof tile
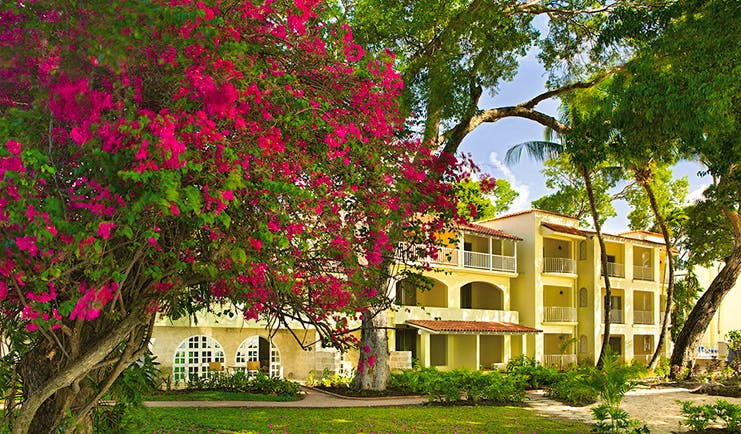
(473, 227)
(472, 327)
(564, 229)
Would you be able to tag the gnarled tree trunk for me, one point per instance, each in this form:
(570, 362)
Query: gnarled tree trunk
(55, 382)
(373, 365)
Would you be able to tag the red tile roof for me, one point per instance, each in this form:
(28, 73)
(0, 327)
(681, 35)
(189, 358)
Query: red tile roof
(472, 327)
(473, 227)
(564, 229)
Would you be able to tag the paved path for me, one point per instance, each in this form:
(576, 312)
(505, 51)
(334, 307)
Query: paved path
(313, 398)
(657, 407)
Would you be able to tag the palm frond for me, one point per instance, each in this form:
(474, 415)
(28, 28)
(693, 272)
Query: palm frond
(538, 150)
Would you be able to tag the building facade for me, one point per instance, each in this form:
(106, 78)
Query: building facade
(527, 283)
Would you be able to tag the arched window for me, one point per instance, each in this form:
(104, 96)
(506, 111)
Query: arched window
(259, 349)
(583, 297)
(193, 356)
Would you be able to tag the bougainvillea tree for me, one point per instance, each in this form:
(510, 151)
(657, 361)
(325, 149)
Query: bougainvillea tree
(158, 156)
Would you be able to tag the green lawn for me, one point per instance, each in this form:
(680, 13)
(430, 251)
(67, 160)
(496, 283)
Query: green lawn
(351, 420)
(214, 395)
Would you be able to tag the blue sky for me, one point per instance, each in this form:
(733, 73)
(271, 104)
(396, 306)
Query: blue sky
(488, 144)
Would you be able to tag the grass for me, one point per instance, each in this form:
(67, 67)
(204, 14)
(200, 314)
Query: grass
(350, 420)
(214, 395)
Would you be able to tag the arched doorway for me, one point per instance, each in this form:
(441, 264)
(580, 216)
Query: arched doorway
(193, 356)
(259, 349)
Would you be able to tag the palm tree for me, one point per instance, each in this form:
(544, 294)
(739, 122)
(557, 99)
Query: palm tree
(545, 150)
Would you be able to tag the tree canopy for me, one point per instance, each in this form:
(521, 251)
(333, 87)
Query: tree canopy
(159, 156)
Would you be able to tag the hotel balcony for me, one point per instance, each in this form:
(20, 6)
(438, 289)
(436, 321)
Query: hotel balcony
(617, 316)
(559, 265)
(559, 361)
(615, 269)
(642, 272)
(643, 317)
(472, 260)
(559, 314)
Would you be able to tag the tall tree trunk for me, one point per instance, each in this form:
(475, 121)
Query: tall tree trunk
(644, 178)
(685, 348)
(603, 259)
(373, 365)
(54, 382)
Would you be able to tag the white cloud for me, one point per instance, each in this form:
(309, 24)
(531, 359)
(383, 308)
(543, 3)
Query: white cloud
(522, 202)
(697, 194)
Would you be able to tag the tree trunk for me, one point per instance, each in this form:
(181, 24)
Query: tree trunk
(603, 259)
(55, 381)
(373, 365)
(644, 179)
(685, 348)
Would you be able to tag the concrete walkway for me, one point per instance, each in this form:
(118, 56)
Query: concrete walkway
(313, 398)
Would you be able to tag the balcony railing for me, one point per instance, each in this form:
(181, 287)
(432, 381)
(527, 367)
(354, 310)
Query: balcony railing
(643, 358)
(641, 272)
(486, 261)
(643, 317)
(616, 316)
(477, 260)
(559, 314)
(559, 361)
(559, 265)
(615, 270)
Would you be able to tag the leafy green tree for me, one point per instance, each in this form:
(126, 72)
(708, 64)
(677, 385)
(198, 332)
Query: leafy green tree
(570, 195)
(682, 93)
(479, 200)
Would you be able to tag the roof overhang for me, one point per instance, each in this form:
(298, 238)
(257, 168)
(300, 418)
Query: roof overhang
(471, 327)
(561, 230)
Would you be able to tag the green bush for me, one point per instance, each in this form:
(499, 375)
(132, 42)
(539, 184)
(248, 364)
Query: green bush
(240, 382)
(461, 384)
(573, 389)
(698, 417)
(536, 376)
(330, 379)
(615, 421)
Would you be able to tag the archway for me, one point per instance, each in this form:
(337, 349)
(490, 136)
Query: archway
(193, 357)
(259, 349)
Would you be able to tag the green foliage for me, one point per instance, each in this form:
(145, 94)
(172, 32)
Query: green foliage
(486, 203)
(533, 374)
(670, 196)
(663, 368)
(572, 388)
(698, 417)
(734, 340)
(461, 385)
(686, 292)
(240, 382)
(615, 421)
(330, 378)
(570, 195)
(614, 380)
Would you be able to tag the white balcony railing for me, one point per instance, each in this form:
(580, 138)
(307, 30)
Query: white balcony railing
(559, 314)
(643, 317)
(641, 272)
(616, 316)
(486, 261)
(477, 260)
(615, 270)
(643, 358)
(559, 265)
(559, 361)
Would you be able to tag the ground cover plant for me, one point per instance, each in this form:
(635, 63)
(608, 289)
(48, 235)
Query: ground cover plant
(699, 417)
(461, 386)
(215, 395)
(501, 420)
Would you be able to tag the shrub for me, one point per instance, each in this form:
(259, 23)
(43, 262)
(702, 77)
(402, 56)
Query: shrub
(535, 375)
(573, 389)
(240, 382)
(330, 379)
(461, 384)
(615, 421)
(698, 417)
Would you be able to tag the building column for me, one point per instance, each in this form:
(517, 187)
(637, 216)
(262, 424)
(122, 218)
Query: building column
(507, 350)
(424, 349)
